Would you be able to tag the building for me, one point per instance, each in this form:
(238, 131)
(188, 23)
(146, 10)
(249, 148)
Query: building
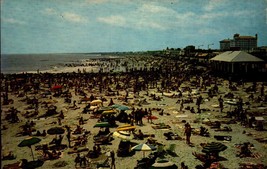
(225, 44)
(243, 43)
(237, 63)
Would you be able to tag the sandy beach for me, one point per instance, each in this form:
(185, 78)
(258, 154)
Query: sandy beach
(163, 100)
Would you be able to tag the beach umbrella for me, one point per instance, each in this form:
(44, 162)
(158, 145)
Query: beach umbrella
(55, 130)
(29, 142)
(115, 106)
(123, 135)
(123, 108)
(232, 103)
(152, 117)
(109, 112)
(163, 164)
(126, 127)
(56, 87)
(143, 147)
(96, 102)
(102, 124)
(104, 108)
(214, 147)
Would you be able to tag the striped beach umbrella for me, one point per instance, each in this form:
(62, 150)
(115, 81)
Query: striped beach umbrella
(143, 147)
(214, 147)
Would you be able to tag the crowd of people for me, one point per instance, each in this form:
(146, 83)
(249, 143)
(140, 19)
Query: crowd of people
(163, 75)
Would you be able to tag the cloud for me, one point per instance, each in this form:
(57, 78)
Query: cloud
(12, 21)
(213, 4)
(155, 9)
(68, 16)
(95, 1)
(146, 16)
(72, 17)
(49, 11)
(208, 31)
(116, 20)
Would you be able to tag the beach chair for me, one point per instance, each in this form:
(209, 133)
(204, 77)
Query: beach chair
(160, 151)
(104, 164)
(171, 150)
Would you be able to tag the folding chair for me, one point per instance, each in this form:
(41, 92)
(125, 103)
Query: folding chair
(171, 150)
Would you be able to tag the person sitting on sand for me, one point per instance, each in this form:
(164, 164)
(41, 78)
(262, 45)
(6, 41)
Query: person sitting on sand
(78, 130)
(81, 121)
(23, 163)
(139, 135)
(9, 156)
(57, 141)
(111, 102)
(245, 152)
(203, 131)
(44, 133)
(61, 115)
(74, 105)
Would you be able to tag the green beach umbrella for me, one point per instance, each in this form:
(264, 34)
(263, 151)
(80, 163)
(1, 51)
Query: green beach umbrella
(56, 130)
(29, 142)
(102, 124)
(214, 147)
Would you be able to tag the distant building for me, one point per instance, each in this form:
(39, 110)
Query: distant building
(243, 43)
(225, 44)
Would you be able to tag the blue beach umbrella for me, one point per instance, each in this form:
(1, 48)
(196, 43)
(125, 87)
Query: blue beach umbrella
(115, 106)
(123, 108)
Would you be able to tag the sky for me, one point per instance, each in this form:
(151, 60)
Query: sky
(85, 26)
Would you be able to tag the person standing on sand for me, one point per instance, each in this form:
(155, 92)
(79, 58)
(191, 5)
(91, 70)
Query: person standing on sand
(187, 132)
(220, 103)
(112, 156)
(69, 135)
(77, 159)
(182, 105)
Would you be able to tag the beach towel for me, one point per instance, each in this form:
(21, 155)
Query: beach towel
(161, 126)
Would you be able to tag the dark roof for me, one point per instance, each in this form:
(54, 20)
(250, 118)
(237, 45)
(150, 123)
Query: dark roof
(245, 37)
(225, 40)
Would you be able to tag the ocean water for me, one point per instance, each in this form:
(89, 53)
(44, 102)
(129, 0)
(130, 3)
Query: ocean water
(17, 63)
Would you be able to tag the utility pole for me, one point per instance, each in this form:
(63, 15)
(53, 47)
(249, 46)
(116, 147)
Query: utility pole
(199, 46)
(210, 45)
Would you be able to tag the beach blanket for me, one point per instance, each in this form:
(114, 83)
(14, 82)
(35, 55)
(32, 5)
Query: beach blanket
(256, 155)
(12, 166)
(162, 126)
(78, 150)
(250, 165)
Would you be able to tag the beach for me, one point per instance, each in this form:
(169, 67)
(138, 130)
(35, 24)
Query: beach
(153, 83)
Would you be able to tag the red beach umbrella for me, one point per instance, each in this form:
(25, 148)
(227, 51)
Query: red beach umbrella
(56, 87)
